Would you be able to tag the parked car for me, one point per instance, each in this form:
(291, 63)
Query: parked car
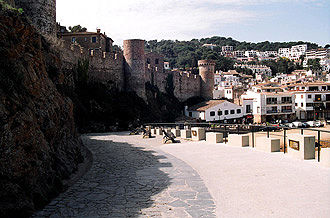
(318, 123)
(311, 123)
(287, 125)
(296, 124)
(304, 125)
(271, 128)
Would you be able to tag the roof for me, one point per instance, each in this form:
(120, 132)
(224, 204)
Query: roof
(84, 34)
(203, 106)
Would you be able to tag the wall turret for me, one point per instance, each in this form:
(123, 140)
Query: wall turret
(135, 63)
(42, 14)
(206, 71)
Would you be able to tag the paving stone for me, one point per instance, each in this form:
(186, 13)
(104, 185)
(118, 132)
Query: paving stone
(132, 180)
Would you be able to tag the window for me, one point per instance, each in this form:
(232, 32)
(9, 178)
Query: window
(313, 88)
(232, 111)
(73, 39)
(85, 39)
(302, 104)
(190, 114)
(94, 39)
(148, 61)
(157, 61)
(212, 113)
(226, 112)
(271, 100)
(318, 98)
(287, 109)
(239, 111)
(328, 97)
(248, 109)
(309, 96)
(219, 113)
(296, 104)
(286, 100)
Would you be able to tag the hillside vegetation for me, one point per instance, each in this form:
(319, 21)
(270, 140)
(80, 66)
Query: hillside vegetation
(185, 54)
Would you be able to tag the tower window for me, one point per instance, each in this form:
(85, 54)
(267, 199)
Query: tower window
(94, 39)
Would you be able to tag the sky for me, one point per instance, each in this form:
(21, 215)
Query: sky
(243, 20)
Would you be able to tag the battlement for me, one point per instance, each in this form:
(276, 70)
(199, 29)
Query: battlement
(206, 63)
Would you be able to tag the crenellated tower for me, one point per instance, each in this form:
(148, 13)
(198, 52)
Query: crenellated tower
(206, 72)
(42, 14)
(135, 63)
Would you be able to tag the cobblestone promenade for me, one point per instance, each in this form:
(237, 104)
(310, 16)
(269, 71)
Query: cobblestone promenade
(133, 180)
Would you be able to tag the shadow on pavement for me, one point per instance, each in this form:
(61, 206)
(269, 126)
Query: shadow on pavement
(120, 183)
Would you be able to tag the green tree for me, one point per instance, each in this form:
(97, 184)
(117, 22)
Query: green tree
(77, 29)
(314, 64)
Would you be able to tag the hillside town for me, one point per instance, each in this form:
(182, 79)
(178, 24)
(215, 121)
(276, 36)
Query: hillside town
(237, 97)
(96, 124)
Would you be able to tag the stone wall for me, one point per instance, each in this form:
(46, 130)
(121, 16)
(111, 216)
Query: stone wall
(206, 71)
(135, 64)
(42, 14)
(186, 85)
(104, 67)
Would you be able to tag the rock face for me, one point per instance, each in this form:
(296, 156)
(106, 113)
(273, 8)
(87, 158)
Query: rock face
(39, 146)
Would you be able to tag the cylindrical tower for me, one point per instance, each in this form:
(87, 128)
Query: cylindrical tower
(42, 14)
(206, 71)
(135, 66)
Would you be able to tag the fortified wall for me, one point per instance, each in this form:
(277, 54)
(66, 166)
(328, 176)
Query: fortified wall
(129, 71)
(104, 67)
(186, 85)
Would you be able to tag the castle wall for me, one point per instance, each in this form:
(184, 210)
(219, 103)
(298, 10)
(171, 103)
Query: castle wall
(42, 14)
(104, 67)
(155, 61)
(186, 85)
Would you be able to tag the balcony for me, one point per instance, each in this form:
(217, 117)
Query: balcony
(286, 102)
(271, 103)
(272, 112)
(278, 102)
(287, 111)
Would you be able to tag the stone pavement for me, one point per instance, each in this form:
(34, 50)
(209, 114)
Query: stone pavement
(133, 179)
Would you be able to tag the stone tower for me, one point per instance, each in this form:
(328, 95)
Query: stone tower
(206, 71)
(42, 14)
(135, 62)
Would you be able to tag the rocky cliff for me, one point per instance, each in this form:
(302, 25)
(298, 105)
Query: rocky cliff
(39, 146)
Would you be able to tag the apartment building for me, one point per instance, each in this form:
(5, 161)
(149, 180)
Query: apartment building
(271, 103)
(312, 100)
(251, 54)
(284, 52)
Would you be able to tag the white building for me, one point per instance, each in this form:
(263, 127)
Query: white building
(251, 54)
(227, 48)
(259, 69)
(284, 52)
(216, 110)
(210, 46)
(239, 54)
(312, 100)
(271, 103)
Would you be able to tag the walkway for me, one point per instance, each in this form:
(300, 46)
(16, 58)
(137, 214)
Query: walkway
(131, 178)
(248, 183)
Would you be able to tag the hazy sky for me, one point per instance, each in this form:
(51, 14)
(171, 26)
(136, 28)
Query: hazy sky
(244, 20)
